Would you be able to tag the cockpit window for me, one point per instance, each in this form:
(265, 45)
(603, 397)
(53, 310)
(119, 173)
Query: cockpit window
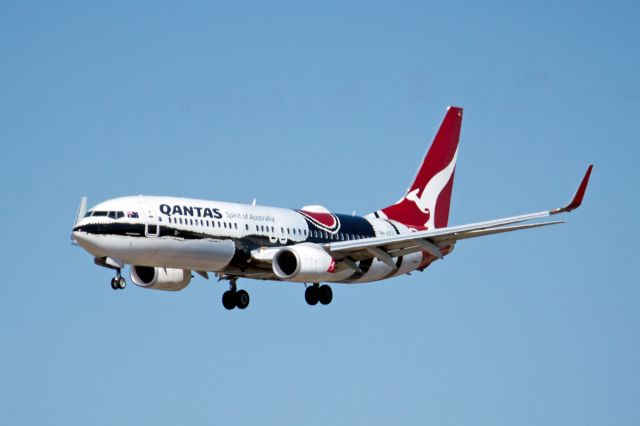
(111, 214)
(88, 214)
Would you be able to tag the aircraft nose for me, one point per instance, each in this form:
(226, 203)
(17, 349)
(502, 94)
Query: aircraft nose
(76, 235)
(79, 234)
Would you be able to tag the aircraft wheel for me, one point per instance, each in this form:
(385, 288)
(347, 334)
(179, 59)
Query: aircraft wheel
(311, 295)
(114, 283)
(242, 299)
(325, 294)
(228, 299)
(122, 283)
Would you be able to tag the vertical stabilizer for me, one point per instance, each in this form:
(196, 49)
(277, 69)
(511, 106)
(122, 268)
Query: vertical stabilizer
(426, 203)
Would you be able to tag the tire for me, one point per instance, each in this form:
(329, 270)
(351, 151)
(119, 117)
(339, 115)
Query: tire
(122, 283)
(228, 300)
(311, 295)
(325, 294)
(242, 299)
(114, 283)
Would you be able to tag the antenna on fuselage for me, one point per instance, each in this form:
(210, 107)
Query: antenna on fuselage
(253, 203)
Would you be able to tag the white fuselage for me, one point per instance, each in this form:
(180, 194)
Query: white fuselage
(220, 237)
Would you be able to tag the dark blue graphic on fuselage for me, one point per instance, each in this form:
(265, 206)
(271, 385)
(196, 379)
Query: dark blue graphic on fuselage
(351, 228)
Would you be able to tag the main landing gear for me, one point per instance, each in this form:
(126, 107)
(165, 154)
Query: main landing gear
(117, 282)
(318, 293)
(234, 298)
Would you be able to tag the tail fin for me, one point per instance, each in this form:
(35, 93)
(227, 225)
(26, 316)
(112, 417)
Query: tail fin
(426, 203)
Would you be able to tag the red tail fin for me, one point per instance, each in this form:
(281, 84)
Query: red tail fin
(426, 203)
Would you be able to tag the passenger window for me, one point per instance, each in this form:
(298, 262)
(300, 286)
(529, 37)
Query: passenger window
(246, 226)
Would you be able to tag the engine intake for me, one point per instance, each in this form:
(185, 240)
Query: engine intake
(160, 278)
(306, 262)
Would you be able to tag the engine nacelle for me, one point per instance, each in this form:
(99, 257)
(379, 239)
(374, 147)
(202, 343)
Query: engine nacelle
(160, 278)
(305, 262)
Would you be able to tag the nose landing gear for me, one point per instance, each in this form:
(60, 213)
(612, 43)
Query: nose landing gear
(118, 282)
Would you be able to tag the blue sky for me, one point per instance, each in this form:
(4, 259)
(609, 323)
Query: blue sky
(331, 103)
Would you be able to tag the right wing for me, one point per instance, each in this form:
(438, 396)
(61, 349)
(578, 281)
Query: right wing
(431, 241)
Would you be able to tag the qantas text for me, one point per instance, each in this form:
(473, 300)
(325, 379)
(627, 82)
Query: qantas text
(190, 211)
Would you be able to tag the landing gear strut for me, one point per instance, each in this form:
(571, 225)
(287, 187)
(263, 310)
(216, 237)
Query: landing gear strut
(318, 293)
(117, 282)
(234, 298)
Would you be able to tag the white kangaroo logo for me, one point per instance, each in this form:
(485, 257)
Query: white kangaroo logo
(427, 202)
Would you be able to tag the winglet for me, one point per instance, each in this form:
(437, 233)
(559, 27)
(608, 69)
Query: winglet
(578, 196)
(81, 210)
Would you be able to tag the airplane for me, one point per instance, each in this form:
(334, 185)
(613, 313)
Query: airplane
(165, 239)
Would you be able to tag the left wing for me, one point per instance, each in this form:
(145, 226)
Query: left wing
(431, 241)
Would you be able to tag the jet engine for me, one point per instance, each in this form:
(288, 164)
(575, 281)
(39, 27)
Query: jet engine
(160, 278)
(306, 262)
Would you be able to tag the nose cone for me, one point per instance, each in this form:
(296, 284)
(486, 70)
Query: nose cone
(83, 237)
(82, 234)
(77, 236)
